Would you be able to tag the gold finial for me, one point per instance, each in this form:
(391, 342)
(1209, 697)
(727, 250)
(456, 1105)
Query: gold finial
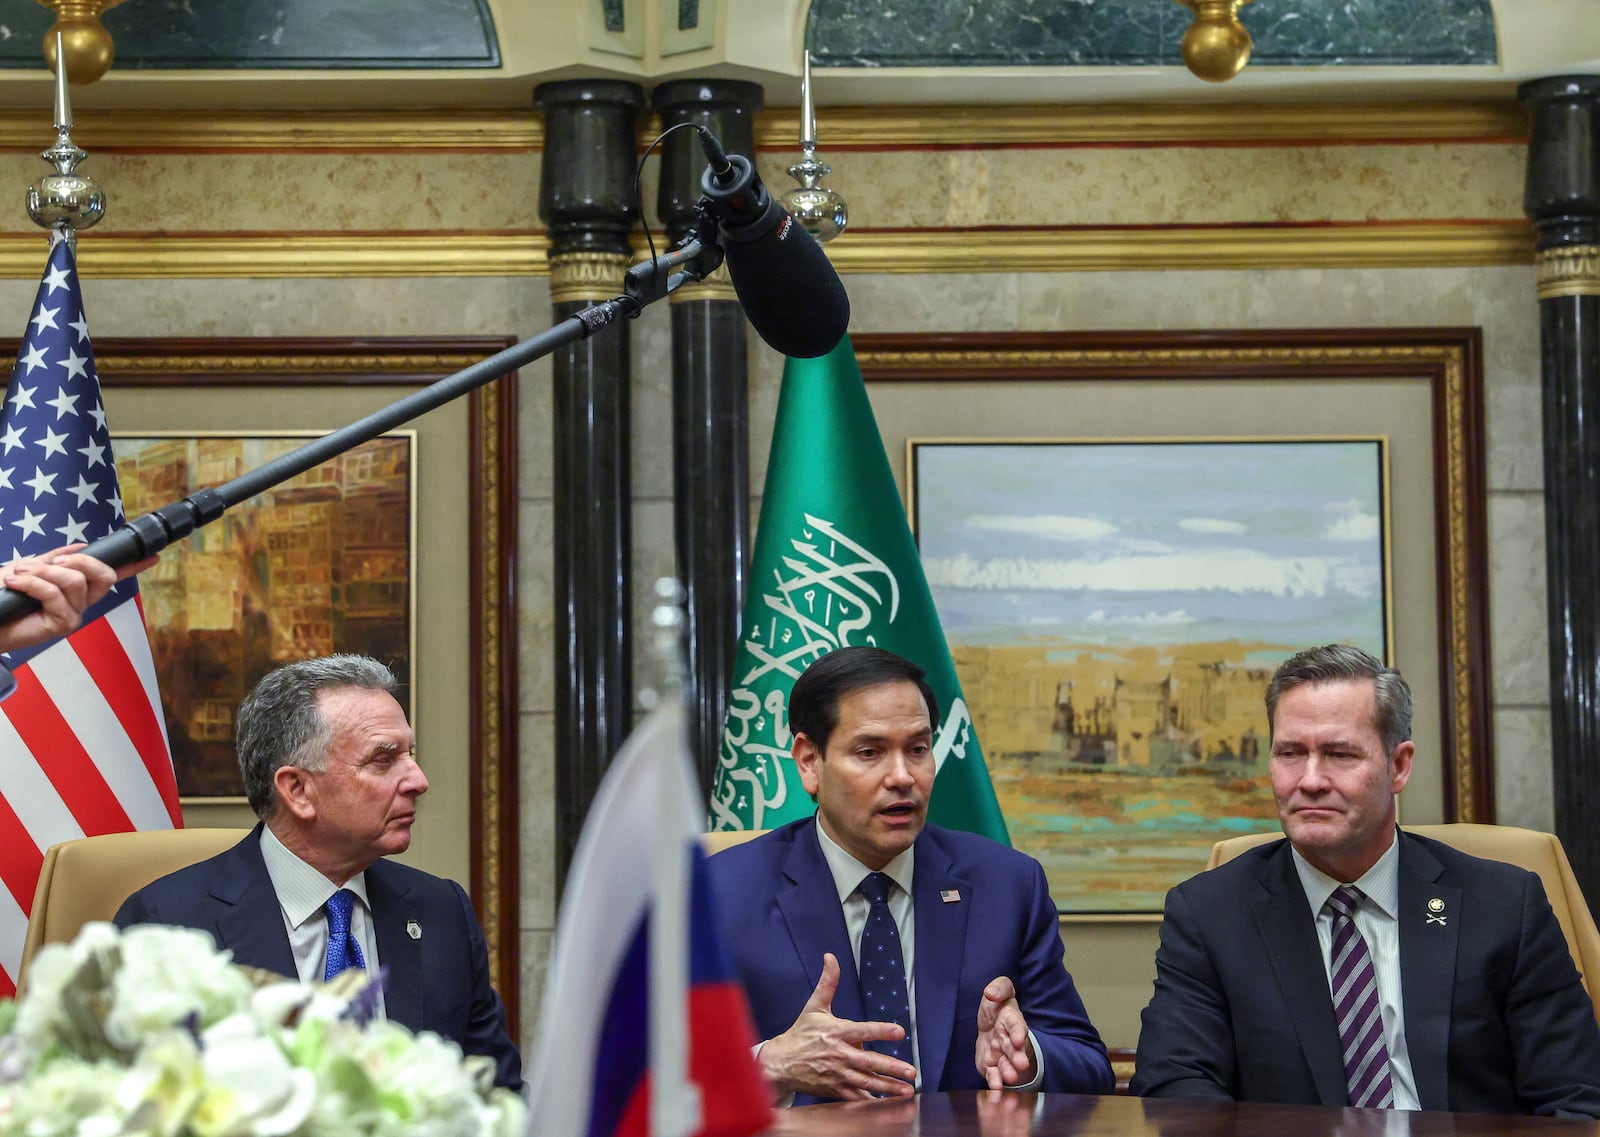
(1216, 46)
(85, 41)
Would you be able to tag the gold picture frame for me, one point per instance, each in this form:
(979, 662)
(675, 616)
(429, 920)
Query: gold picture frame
(1423, 387)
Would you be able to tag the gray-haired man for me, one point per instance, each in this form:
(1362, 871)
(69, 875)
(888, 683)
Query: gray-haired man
(330, 767)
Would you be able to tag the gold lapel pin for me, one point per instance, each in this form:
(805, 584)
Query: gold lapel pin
(1436, 911)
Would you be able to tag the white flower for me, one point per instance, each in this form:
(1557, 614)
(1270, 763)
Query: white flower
(169, 976)
(251, 1090)
(152, 1032)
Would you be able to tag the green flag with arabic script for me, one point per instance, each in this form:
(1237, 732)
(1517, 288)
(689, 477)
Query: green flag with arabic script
(834, 566)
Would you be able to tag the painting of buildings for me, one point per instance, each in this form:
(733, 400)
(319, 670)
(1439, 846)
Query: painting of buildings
(1115, 611)
(317, 565)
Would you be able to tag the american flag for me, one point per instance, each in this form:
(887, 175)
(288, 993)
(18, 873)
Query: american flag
(83, 747)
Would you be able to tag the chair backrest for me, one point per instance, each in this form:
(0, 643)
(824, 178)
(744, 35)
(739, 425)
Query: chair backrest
(727, 839)
(88, 879)
(1538, 852)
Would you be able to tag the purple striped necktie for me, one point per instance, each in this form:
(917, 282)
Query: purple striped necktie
(1355, 1005)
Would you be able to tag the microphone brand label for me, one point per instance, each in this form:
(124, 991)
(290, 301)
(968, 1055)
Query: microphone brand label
(783, 226)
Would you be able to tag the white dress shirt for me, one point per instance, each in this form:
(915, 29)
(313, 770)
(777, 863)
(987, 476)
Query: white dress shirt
(303, 894)
(1377, 919)
(847, 876)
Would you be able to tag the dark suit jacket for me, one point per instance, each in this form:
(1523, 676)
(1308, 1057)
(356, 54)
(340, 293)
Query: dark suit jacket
(438, 982)
(1496, 1020)
(780, 912)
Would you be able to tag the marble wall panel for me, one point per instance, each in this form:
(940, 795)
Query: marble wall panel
(1517, 605)
(1526, 799)
(1173, 185)
(302, 192)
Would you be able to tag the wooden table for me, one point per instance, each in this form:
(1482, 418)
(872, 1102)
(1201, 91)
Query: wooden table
(973, 1114)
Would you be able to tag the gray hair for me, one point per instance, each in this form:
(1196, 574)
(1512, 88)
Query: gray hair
(1334, 663)
(280, 723)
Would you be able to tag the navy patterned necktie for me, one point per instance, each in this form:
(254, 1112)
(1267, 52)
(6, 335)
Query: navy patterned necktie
(883, 968)
(1355, 1005)
(344, 951)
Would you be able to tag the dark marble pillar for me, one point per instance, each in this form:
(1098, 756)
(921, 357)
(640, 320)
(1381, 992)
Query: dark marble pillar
(586, 198)
(710, 411)
(1563, 198)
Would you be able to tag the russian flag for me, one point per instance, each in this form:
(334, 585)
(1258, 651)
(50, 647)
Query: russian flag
(641, 992)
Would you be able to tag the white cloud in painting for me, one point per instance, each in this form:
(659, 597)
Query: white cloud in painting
(1237, 571)
(1147, 620)
(1349, 522)
(1055, 527)
(1212, 525)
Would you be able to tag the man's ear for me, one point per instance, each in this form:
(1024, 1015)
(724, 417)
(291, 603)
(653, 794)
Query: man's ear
(293, 787)
(806, 757)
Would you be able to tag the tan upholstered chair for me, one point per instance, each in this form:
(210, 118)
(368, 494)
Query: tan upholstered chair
(88, 879)
(1539, 852)
(727, 839)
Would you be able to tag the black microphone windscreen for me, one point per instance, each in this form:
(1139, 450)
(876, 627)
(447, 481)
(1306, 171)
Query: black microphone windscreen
(789, 291)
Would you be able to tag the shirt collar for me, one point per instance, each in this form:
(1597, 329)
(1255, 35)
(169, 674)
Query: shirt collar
(1380, 884)
(302, 890)
(847, 871)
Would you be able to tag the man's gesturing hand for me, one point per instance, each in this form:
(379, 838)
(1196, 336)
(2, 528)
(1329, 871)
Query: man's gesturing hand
(1004, 1054)
(823, 1055)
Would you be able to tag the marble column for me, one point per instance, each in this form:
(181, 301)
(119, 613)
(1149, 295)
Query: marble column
(710, 410)
(586, 198)
(1562, 197)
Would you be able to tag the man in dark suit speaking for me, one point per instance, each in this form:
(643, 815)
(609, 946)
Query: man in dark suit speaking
(1355, 964)
(940, 951)
(330, 767)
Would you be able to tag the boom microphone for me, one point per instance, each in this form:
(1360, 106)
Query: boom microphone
(790, 293)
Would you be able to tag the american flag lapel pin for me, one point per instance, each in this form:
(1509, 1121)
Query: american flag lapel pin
(950, 895)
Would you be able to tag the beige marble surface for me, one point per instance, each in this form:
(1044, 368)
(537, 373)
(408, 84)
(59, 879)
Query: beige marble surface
(300, 192)
(1157, 185)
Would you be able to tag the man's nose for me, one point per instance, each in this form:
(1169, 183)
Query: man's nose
(415, 782)
(1314, 775)
(899, 772)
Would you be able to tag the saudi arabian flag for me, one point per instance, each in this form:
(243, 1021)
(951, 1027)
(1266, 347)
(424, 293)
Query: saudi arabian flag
(835, 566)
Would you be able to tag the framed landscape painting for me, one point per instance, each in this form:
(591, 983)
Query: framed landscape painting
(1115, 609)
(1124, 532)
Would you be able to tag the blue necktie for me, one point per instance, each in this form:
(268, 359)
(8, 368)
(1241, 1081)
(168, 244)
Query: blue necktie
(344, 951)
(883, 968)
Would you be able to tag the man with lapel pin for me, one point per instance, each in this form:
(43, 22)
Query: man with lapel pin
(1354, 963)
(330, 767)
(882, 955)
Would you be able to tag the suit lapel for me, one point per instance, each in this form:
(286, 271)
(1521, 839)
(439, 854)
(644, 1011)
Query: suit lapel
(404, 992)
(1283, 918)
(941, 939)
(1428, 942)
(249, 917)
(811, 910)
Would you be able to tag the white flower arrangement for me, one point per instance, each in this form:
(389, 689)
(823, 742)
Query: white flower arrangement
(153, 1032)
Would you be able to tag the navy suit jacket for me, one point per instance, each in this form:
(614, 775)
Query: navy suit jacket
(1496, 1020)
(781, 912)
(438, 981)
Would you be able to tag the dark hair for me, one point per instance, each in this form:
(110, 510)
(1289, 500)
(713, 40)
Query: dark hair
(280, 723)
(814, 701)
(1334, 663)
